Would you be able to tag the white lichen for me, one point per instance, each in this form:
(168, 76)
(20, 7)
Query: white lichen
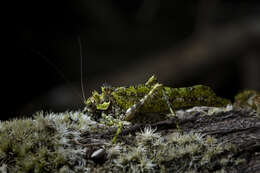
(50, 143)
(147, 135)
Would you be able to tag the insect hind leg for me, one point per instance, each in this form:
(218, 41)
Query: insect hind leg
(131, 112)
(165, 95)
(172, 111)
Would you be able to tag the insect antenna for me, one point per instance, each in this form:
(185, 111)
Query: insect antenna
(83, 71)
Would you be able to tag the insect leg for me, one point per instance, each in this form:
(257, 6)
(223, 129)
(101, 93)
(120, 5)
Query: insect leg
(130, 113)
(165, 94)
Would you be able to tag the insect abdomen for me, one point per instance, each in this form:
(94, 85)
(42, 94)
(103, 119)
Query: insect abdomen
(198, 95)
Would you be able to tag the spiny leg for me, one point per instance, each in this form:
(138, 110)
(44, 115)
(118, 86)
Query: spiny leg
(131, 112)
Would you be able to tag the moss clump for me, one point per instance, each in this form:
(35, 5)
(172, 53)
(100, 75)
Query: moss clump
(43, 143)
(248, 99)
(189, 152)
(30, 146)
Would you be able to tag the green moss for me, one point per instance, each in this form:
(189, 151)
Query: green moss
(248, 99)
(30, 146)
(176, 152)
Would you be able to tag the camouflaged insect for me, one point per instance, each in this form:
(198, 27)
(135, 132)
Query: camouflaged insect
(148, 102)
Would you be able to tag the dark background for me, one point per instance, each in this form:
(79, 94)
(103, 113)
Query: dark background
(184, 43)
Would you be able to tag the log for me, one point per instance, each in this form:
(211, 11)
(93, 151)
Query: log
(237, 127)
(210, 139)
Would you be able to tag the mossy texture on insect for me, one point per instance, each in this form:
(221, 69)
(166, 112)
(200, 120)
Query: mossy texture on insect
(117, 100)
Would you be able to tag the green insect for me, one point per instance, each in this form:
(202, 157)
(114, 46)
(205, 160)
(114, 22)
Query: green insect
(150, 101)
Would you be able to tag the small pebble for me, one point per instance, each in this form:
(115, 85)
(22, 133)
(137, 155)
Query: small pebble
(98, 154)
